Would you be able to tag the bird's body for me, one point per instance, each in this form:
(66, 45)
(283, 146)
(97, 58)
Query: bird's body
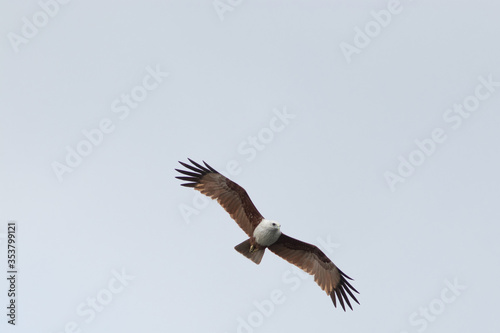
(264, 233)
(267, 232)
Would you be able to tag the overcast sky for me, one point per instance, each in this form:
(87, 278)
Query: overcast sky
(368, 129)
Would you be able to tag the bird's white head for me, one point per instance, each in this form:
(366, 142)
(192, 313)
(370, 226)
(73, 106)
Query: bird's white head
(267, 232)
(270, 224)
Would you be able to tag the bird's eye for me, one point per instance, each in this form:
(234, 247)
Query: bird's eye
(274, 224)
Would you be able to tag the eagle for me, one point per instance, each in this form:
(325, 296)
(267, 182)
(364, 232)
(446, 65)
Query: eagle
(266, 234)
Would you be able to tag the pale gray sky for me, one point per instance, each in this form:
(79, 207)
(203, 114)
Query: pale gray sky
(368, 129)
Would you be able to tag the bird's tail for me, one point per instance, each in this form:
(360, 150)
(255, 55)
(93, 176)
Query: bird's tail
(255, 255)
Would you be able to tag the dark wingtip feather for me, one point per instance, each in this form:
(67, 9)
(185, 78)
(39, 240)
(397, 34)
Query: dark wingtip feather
(345, 297)
(209, 167)
(343, 291)
(199, 166)
(187, 173)
(190, 167)
(351, 287)
(341, 300)
(196, 173)
(351, 294)
(189, 179)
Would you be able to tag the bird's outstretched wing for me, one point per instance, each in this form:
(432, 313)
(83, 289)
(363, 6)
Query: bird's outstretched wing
(313, 261)
(231, 196)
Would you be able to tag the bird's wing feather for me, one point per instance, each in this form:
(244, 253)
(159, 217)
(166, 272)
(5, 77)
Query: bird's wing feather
(231, 196)
(313, 261)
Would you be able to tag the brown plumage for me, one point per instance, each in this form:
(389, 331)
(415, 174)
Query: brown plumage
(231, 196)
(235, 200)
(313, 261)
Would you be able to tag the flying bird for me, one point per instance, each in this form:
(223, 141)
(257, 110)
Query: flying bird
(264, 233)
